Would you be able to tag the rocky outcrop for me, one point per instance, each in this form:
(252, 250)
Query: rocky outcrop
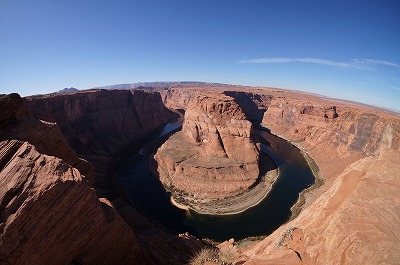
(345, 129)
(352, 218)
(13, 109)
(102, 122)
(47, 139)
(99, 124)
(353, 222)
(215, 155)
(49, 214)
(253, 105)
(222, 129)
(179, 99)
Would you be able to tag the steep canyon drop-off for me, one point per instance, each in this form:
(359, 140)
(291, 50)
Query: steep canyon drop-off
(51, 214)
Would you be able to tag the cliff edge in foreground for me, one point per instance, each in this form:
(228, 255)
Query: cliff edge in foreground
(49, 214)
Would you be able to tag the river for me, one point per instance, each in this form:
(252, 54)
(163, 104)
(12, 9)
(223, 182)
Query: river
(149, 194)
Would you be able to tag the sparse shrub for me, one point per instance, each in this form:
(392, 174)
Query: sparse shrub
(284, 236)
(205, 254)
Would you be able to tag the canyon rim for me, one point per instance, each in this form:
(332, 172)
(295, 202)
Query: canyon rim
(62, 204)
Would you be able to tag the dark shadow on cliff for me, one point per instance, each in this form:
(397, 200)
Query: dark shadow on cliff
(246, 102)
(138, 173)
(265, 164)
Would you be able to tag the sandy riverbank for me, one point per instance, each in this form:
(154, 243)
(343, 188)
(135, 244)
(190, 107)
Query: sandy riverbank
(301, 202)
(178, 205)
(231, 205)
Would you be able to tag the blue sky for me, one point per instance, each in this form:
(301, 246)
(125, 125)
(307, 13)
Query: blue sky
(343, 49)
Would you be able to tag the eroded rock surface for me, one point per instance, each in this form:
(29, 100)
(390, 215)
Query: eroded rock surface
(99, 124)
(49, 214)
(344, 128)
(353, 218)
(215, 155)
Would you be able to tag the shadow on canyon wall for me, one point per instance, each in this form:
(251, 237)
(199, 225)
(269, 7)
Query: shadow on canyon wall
(247, 101)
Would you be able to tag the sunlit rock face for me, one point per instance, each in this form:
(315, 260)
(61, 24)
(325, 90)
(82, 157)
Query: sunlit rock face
(215, 155)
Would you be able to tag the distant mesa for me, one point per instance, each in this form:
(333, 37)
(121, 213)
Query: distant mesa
(67, 90)
(162, 85)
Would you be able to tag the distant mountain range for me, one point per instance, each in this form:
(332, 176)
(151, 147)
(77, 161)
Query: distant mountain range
(160, 85)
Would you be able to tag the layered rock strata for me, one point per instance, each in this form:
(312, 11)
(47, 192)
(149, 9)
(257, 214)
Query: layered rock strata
(342, 127)
(253, 104)
(49, 214)
(45, 136)
(351, 223)
(215, 155)
(179, 99)
(99, 124)
(351, 219)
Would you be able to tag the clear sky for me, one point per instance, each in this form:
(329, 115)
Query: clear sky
(343, 49)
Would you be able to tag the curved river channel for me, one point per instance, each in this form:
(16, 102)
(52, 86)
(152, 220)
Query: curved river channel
(148, 193)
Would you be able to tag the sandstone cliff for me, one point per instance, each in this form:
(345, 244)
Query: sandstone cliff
(101, 121)
(175, 98)
(344, 128)
(215, 155)
(98, 124)
(252, 104)
(220, 126)
(45, 136)
(353, 218)
(49, 214)
(353, 222)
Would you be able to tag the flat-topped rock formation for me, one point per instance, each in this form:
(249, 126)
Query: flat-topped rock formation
(214, 156)
(220, 126)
